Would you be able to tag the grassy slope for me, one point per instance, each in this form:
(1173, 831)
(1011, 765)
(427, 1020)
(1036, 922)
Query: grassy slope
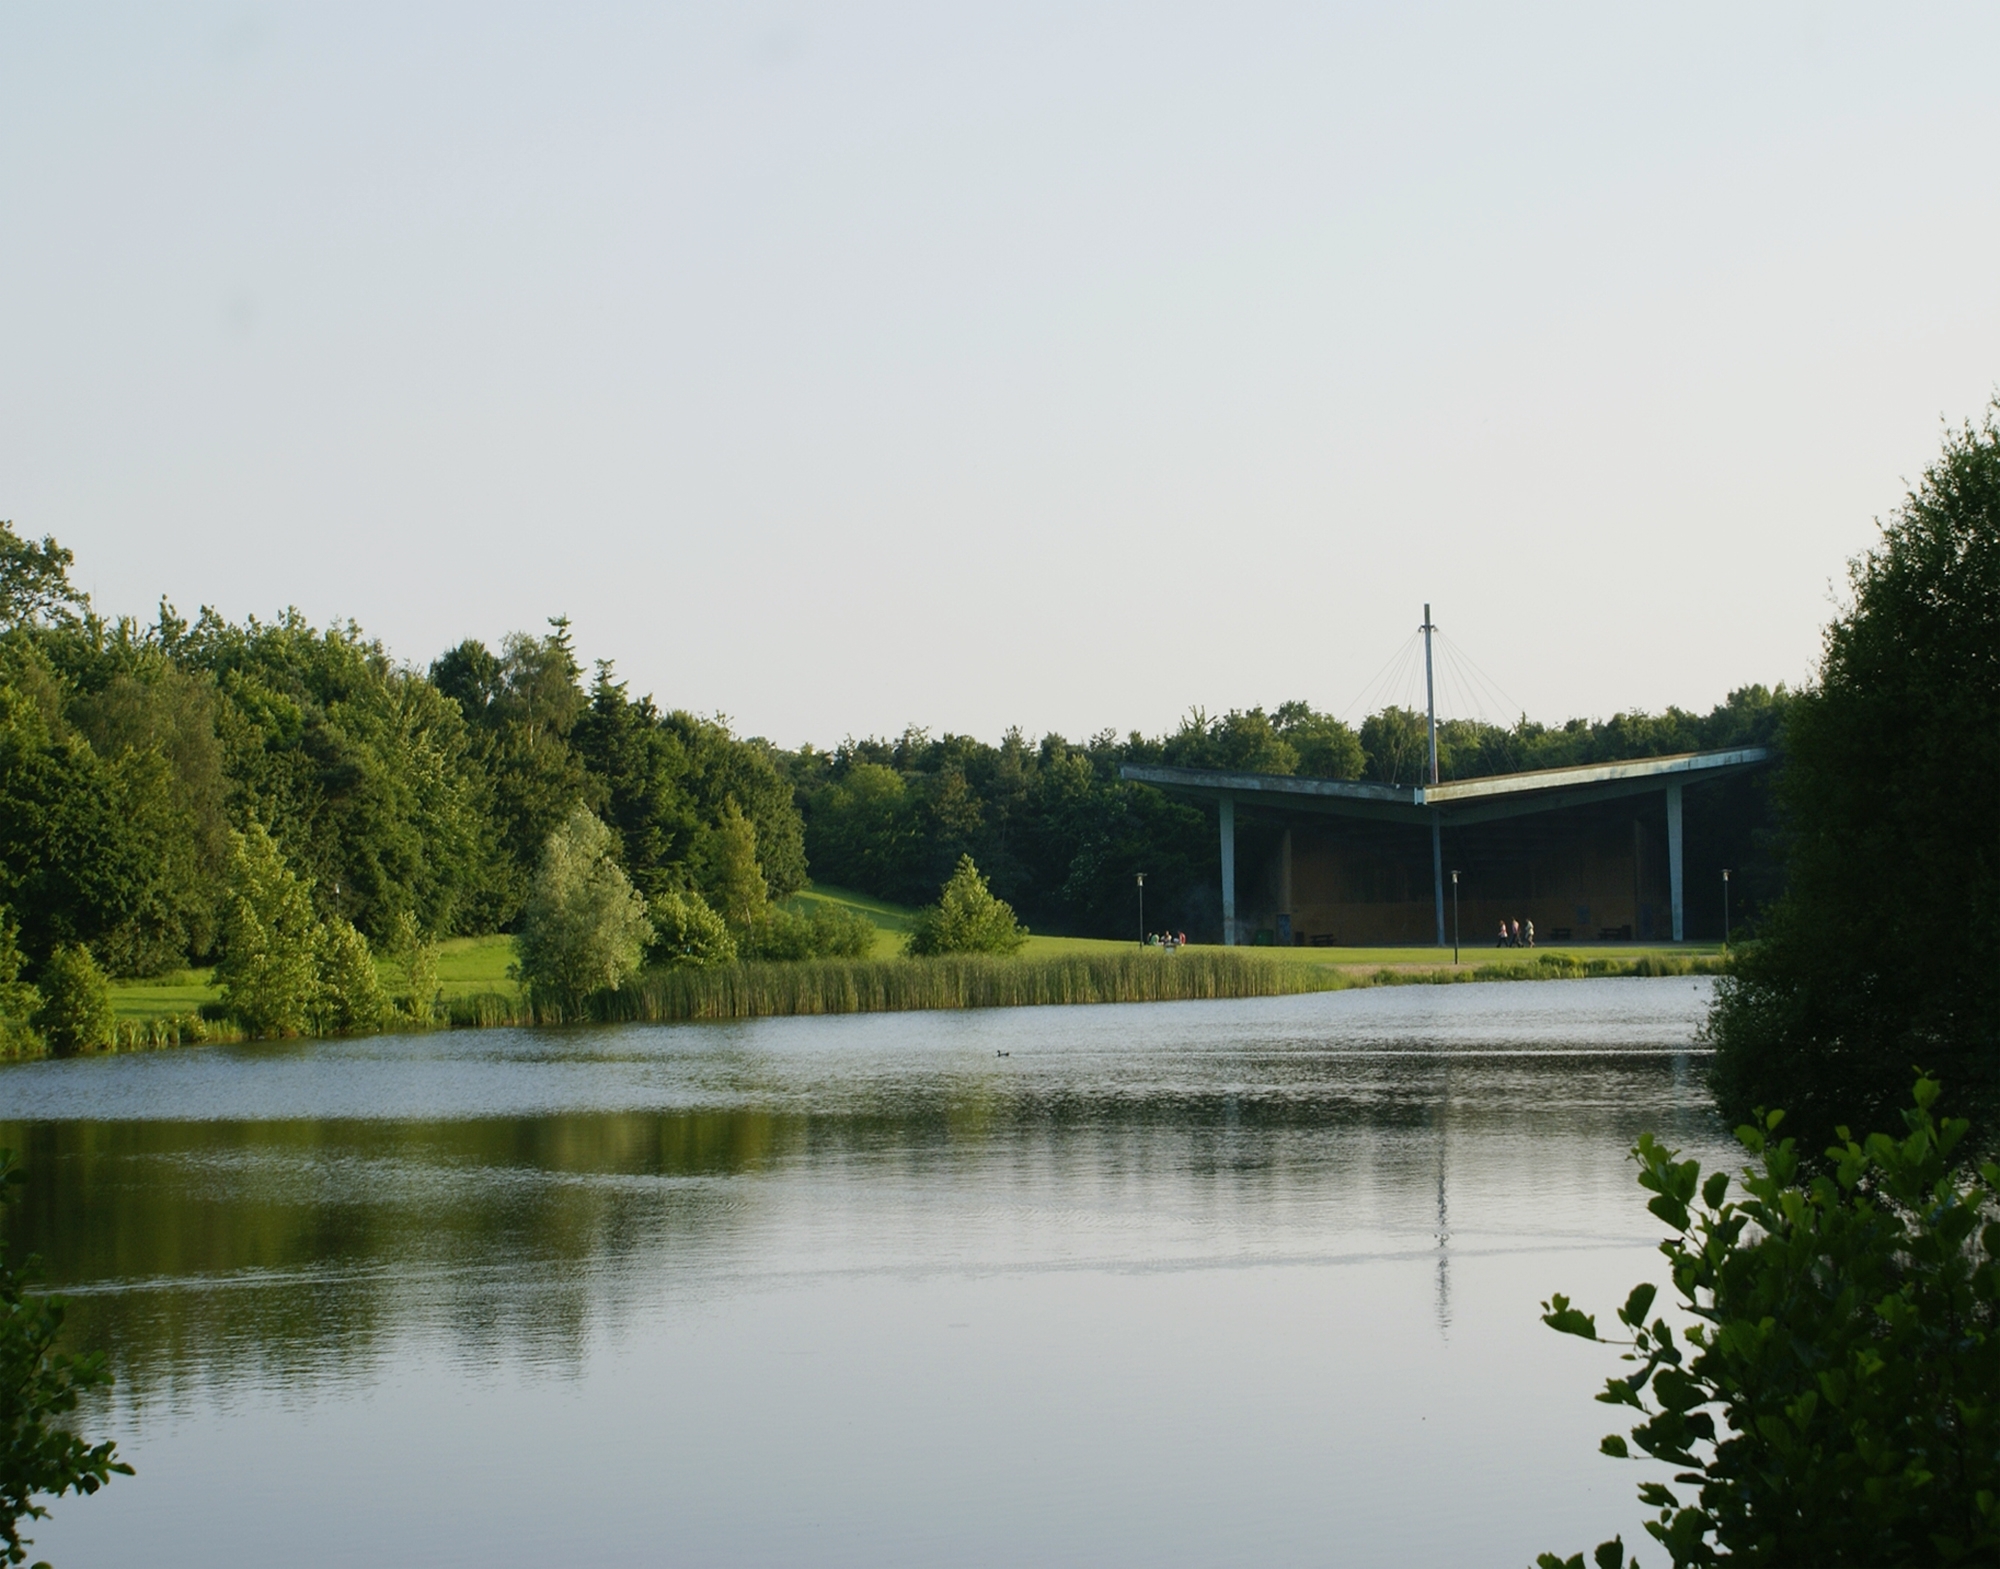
(468, 966)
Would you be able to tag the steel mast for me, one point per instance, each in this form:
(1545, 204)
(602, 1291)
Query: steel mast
(1437, 831)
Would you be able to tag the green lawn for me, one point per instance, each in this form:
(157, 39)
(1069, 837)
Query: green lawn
(468, 965)
(181, 993)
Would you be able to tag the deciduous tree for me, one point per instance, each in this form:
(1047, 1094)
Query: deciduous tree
(584, 929)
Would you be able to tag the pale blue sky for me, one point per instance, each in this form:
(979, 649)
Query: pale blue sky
(840, 367)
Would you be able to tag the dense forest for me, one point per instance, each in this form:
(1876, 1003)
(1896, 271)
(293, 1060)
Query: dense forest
(422, 798)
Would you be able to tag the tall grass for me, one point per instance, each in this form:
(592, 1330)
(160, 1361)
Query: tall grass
(826, 986)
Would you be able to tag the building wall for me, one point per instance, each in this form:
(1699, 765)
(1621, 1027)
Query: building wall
(1349, 882)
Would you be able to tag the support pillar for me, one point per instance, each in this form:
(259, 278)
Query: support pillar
(1674, 878)
(1437, 869)
(1227, 812)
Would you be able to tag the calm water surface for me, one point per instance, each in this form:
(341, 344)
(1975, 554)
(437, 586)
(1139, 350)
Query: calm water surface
(1191, 1283)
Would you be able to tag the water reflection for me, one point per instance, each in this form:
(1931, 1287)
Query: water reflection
(323, 1219)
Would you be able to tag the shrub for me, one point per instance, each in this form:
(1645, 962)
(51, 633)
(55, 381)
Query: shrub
(419, 957)
(584, 929)
(841, 934)
(967, 919)
(75, 1014)
(824, 932)
(269, 971)
(39, 1454)
(687, 934)
(1838, 1400)
(350, 1000)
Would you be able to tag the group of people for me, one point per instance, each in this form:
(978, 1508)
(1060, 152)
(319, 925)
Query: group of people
(1517, 935)
(1167, 940)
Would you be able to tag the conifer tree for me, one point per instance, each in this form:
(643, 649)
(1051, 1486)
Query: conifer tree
(269, 971)
(967, 918)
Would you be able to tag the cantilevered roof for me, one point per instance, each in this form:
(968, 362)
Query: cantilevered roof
(1457, 800)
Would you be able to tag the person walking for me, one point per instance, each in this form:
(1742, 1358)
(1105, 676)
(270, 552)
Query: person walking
(1531, 934)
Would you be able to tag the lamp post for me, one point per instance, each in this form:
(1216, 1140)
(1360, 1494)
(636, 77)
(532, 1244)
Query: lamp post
(1142, 908)
(1725, 907)
(1454, 918)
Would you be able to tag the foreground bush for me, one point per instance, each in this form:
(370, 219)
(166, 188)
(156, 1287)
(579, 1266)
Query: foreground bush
(40, 1456)
(1838, 1400)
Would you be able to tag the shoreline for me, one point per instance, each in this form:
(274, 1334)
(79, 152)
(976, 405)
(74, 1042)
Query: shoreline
(807, 988)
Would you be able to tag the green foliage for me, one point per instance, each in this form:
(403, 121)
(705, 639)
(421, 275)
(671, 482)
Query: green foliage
(361, 770)
(102, 849)
(41, 1456)
(1838, 1400)
(736, 881)
(152, 727)
(1326, 748)
(269, 970)
(34, 582)
(1882, 951)
(967, 919)
(687, 933)
(349, 999)
(418, 955)
(585, 929)
(823, 932)
(19, 1002)
(522, 707)
(75, 1014)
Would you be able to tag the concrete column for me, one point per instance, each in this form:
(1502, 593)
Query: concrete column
(1437, 866)
(1227, 812)
(1674, 879)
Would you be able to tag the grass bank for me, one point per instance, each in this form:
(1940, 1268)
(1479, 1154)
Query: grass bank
(476, 990)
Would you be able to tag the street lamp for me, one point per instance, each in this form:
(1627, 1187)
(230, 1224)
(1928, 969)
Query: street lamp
(1725, 907)
(1142, 908)
(1454, 917)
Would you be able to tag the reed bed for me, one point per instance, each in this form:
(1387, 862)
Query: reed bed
(830, 986)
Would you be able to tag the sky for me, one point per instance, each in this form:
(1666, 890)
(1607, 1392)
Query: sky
(839, 368)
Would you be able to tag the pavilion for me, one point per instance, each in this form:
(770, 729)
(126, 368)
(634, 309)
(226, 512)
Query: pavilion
(1590, 853)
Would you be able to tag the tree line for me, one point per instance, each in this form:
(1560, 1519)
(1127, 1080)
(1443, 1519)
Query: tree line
(159, 782)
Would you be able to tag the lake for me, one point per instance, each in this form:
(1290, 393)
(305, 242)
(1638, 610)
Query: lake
(1179, 1283)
